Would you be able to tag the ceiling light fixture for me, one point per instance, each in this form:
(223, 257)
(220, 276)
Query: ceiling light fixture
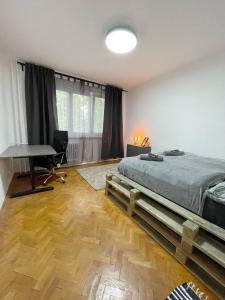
(121, 40)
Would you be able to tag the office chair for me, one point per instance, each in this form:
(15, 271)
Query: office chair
(53, 162)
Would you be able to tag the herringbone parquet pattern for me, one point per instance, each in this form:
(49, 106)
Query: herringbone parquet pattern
(72, 243)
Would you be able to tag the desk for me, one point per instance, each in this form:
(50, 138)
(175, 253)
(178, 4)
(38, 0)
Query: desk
(30, 151)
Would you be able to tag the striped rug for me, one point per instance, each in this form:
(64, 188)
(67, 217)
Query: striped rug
(186, 291)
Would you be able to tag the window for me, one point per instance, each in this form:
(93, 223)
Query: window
(62, 107)
(98, 114)
(81, 115)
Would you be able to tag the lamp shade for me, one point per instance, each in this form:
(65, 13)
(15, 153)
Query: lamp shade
(121, 40)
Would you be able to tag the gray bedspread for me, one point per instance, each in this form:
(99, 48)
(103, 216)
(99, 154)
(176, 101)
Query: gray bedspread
(181, 179)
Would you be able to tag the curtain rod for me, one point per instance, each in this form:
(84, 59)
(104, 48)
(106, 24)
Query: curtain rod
(70, 76)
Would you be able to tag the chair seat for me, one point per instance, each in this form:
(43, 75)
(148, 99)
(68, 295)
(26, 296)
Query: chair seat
(44, 162)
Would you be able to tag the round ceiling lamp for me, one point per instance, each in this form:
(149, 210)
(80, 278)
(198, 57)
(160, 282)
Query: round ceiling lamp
(121, 40)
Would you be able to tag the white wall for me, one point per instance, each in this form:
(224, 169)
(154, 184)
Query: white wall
(184, 109)
(12, 116)
(5, 170)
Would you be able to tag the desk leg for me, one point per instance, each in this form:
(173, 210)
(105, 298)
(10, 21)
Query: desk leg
(32, 175)
(33, 189)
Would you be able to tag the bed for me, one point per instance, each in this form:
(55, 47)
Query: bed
(184, 180)
(170, 201)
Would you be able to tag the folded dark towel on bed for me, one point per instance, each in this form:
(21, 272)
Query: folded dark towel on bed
(175, 152)
(151, 157)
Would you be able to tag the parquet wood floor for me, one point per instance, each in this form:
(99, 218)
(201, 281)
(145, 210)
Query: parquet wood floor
(73, 243)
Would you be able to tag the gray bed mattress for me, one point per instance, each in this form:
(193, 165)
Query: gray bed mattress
(181, 179)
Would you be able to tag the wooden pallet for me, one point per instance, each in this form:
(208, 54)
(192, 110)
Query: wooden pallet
(196, 243)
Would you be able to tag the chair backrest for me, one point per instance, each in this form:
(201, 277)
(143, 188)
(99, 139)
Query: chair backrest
(60, 141)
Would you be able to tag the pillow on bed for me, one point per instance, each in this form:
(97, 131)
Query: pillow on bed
(175, 152)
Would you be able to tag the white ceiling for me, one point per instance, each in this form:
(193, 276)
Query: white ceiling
(68, 35)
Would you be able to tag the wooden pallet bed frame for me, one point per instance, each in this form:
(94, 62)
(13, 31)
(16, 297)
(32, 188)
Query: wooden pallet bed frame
(196, 243)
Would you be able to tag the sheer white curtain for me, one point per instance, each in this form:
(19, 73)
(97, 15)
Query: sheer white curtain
(80, 108)
(12, 117)
(18, 105)
(17, 113)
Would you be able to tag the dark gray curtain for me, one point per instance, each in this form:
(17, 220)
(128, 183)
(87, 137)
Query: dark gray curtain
(112, 138)
(41, 108)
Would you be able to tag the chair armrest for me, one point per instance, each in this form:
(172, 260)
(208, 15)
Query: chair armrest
(59, 154)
